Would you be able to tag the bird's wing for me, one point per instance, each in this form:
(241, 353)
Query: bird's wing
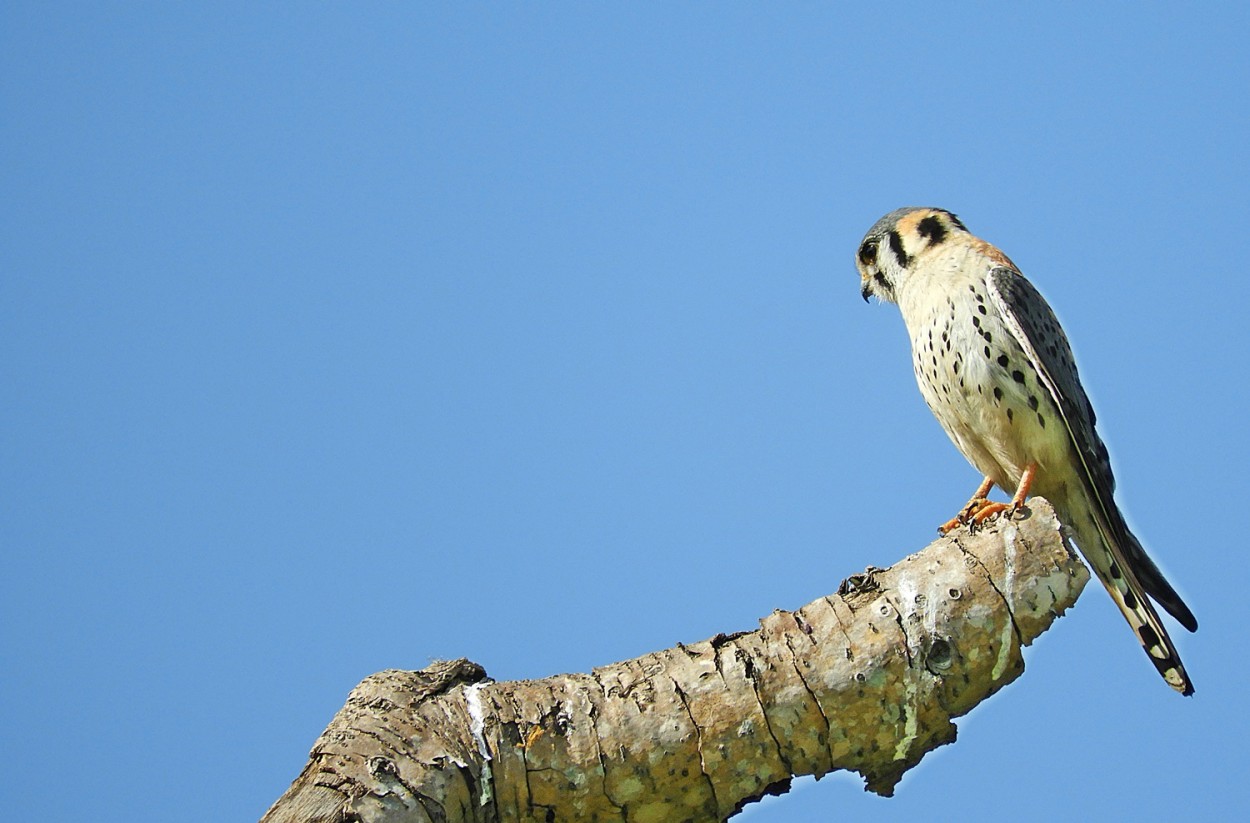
(1037, 330)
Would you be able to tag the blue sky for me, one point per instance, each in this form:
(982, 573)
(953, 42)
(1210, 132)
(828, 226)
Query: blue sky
(341, 337)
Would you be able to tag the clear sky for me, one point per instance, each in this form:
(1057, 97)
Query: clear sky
(341, 337)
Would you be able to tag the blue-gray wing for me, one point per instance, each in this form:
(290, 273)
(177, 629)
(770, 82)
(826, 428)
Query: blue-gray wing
(1037, 330)
(1035, 327)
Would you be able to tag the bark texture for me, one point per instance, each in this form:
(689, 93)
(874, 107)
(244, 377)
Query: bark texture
(867, 679)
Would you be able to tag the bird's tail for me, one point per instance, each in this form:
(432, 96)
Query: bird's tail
(1122, 566)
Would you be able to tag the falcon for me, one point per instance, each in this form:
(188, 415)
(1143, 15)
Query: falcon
(996, 369)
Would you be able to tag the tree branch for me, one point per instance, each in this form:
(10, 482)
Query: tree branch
(867, 679)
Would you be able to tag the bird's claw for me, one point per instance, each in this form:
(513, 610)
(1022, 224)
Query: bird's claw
(988, 512)
(965, 517)
(977, 513)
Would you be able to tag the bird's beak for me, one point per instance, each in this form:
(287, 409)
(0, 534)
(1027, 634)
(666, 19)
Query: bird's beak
(865, 290)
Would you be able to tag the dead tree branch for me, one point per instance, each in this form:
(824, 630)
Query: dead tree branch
(867, 679)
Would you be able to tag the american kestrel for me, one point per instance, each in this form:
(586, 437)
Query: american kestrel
(996, 370)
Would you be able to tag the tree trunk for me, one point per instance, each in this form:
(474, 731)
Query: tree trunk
(867, 679)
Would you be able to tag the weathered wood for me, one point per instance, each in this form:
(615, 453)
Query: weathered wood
(867, 679)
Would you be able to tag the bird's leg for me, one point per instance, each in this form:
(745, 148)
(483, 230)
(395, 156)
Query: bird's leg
(979, 501)
(1017, 500)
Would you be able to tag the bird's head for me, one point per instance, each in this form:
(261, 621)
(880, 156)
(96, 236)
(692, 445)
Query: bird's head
(895, 244)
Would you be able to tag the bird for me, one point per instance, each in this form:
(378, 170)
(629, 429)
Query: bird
(996, 369)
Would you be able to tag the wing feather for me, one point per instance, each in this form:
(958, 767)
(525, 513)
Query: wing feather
(1037, 330)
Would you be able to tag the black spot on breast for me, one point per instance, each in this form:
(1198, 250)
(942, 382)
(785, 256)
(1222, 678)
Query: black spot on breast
(981, 308)
(932, 228)
(1003, 361)
(1033, 402)
(956, 367)
(896, 246)
(1041, 421)
(1009, 414)
(987, 353)
(998, 393)
(976, 321)
(1017, 376)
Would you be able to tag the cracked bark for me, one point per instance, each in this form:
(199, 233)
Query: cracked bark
(867, 679)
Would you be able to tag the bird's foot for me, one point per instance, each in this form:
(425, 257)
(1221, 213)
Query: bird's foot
(991, 510)
(977, 513)
(966, 515)
(980, 508)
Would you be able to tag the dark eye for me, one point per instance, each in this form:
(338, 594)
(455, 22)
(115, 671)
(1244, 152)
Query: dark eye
(868, 252)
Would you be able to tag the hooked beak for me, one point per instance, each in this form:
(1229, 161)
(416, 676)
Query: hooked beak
(865, 291)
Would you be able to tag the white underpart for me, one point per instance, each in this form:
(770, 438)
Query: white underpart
(477, 724)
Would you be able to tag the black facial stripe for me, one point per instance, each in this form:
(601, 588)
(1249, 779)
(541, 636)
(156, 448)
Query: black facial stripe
(932, 228)
(896, 246)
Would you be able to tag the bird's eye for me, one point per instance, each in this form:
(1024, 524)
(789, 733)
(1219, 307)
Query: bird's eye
(868, 252)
